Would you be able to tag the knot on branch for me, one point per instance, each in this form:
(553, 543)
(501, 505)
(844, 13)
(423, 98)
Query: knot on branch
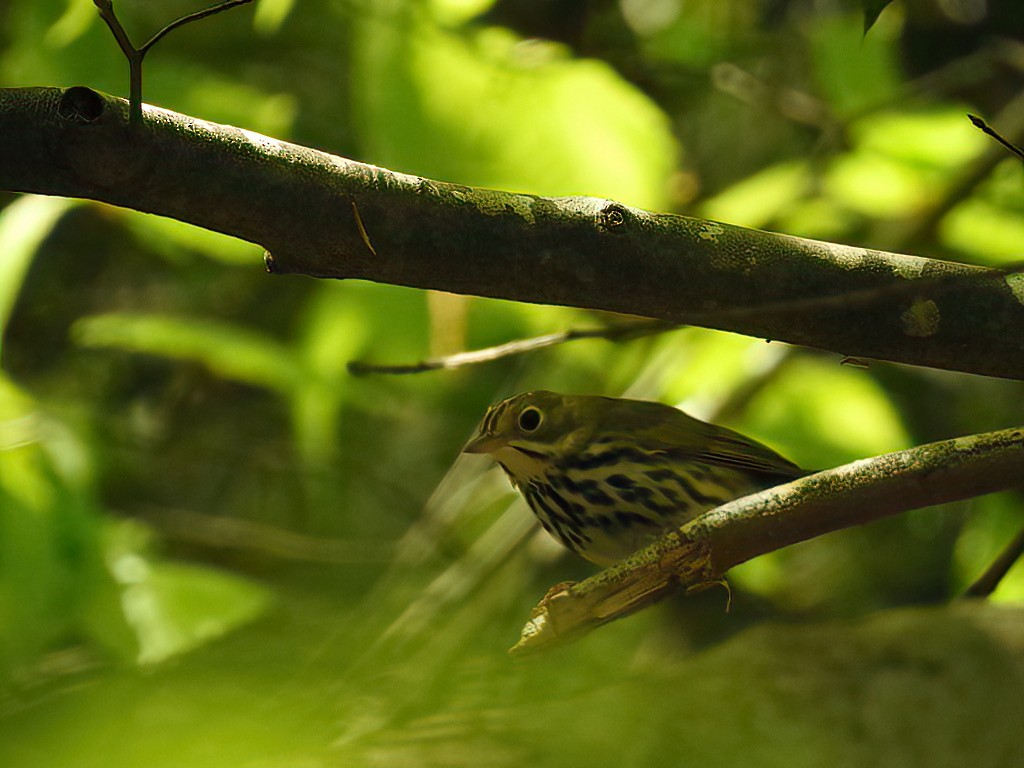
(80, 105)
(613, 216)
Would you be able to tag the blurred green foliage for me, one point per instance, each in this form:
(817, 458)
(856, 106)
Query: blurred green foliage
(218, 547)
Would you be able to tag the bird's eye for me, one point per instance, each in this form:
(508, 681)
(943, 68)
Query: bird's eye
(530, 418)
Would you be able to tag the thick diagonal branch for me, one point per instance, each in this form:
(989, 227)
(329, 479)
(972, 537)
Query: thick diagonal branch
(326, 216)
(700, 553)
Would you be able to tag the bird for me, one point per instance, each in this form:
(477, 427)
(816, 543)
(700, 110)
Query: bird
(606, 476)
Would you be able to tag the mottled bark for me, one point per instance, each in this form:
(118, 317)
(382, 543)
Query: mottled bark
(326, 216)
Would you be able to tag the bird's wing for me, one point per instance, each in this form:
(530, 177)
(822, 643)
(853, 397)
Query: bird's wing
(733, 450)
(694, 440)
(664, 429)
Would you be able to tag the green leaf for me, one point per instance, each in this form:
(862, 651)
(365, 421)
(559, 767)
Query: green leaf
(872, 10)
(822, 414)
(177, 241)
(988, 233)
(492, 110)
(54, 584)
(231, 352)
(878, 186)
(454, 12)
(855, 74)
(24, 224)
(271, 14)
(762, 197)
(992, 524)
(174, 608)
(933, 138)
(989, 225)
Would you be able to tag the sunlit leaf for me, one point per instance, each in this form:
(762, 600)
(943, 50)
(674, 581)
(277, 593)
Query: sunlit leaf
(993, 523)
(842, 408)
(53, 581)
(989, 226)
(935, 138)
(454, 12)
(225, 100)
(877, 186)
(333, 329)
(760, 198)
(902, 162)
(986, 232)
(271, 14)
(819, 218)
(234, 353)
(177, 241)
(174, 607)
(77, 18)
(491, 110)
(24, 224)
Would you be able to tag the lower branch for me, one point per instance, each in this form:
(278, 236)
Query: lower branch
(698, 555)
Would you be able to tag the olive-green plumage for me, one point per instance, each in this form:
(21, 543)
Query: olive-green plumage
(606, 476)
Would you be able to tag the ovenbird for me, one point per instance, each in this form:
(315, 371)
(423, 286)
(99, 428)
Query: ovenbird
(607, 476)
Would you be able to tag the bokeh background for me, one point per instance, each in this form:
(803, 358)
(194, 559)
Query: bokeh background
(218, 547)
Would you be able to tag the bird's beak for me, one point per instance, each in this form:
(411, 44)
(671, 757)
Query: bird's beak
(482, 443)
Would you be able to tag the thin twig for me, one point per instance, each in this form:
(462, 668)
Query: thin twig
(986, 584)
(648, 327)
(620, 332)
(136, 55)
(224, 6)
(106, 11)
(920, 231)
(984, 128)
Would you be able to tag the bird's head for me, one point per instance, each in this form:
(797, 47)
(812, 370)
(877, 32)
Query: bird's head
(527, 428)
